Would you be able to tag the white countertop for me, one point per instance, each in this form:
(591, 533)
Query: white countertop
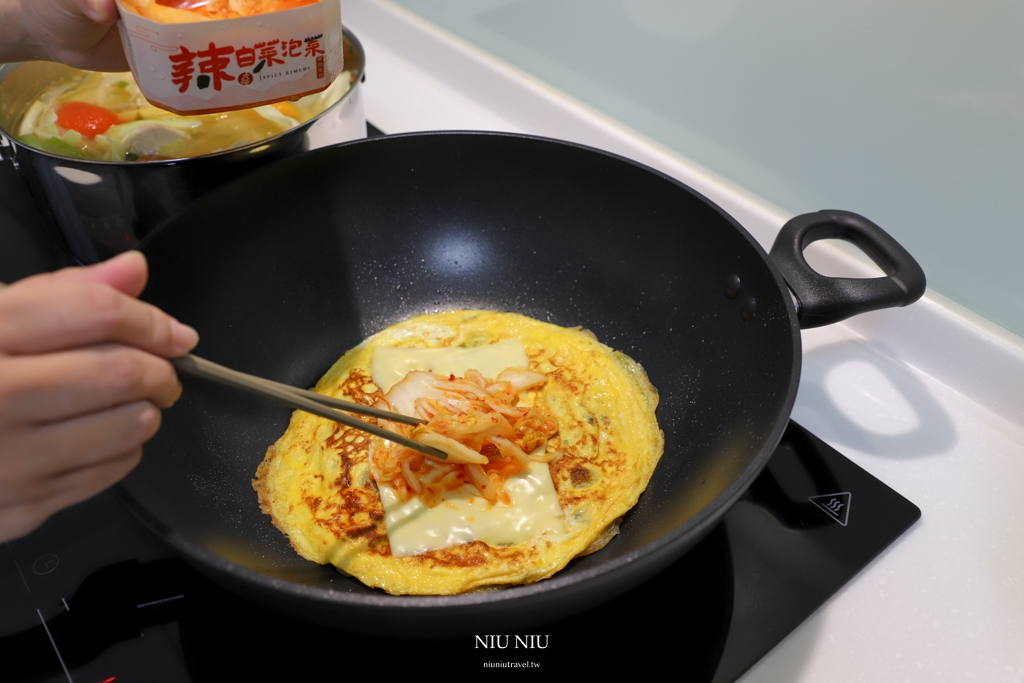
(909, 112)
(925, 398)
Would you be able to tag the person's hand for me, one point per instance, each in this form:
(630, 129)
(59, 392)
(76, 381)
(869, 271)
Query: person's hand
(83, 376)
(80, 33)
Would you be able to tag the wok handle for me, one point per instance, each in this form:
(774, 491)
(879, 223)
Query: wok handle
(824, 300)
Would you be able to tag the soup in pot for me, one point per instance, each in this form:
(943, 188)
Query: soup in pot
(105, 117)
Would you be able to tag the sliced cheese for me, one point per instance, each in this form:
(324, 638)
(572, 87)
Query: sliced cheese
(391, 364)
(464, 515)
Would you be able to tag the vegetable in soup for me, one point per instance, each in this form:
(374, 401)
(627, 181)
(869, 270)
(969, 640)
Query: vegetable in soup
(105, 117)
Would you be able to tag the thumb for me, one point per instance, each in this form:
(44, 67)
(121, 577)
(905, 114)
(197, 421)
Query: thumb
(101, 11)
(126, 273)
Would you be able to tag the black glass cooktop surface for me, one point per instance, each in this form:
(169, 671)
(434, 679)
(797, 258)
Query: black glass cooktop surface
(93, 597)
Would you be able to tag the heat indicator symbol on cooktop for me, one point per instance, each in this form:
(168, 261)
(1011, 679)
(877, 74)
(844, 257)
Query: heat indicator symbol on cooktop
(45, 564)
(835, 505)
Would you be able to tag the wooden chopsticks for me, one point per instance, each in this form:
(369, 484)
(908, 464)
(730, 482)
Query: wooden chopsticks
(308, 401)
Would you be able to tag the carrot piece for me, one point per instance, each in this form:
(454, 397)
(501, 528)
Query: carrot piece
(88, 119)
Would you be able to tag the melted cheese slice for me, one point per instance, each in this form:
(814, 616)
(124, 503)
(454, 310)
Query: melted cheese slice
(464, 515)
(391, 364)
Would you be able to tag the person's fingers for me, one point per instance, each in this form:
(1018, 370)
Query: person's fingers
(21, 518)
(35, 458)
(107, 55)
(79, 33)
(63, 25)
(62, 385)
(125, 272)
(75, 486)
(99, 49)
(44, 316)
(101, 11)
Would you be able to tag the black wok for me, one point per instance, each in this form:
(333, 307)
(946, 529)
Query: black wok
(288, 267)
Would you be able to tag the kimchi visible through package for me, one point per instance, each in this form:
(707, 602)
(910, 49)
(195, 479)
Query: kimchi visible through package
(205, 56)
(185, 11)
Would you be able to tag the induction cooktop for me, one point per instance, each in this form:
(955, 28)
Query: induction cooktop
(93, 597)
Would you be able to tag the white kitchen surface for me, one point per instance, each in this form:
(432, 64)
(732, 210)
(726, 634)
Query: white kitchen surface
(911, 113)
(926, 398)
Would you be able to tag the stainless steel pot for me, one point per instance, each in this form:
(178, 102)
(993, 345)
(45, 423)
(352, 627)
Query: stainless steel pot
(95, 209)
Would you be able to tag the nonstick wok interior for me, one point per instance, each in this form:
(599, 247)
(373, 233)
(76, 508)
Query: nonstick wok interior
(284, 270)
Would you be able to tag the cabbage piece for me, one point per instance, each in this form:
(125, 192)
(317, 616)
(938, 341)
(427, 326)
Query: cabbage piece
(46, 126)
(121, 131)
(31, 118)
(73, 138)
(275, 116)
(317, 102)
(149, 112)
(53, 145)
(115, 151)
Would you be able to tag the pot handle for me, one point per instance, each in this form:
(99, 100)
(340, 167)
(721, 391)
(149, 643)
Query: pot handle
(824, 300)
(7, 152)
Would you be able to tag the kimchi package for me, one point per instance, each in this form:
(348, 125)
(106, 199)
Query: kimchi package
(189, 60)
